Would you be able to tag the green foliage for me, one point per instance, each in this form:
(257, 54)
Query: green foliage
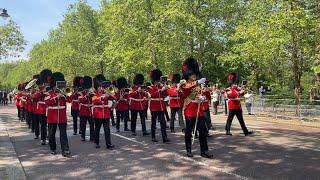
(11, 40)
(266, 42)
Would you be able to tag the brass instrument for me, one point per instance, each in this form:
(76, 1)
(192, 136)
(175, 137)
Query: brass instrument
(63, 88)
(32, 85)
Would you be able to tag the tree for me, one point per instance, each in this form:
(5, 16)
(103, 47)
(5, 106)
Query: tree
(11, 40)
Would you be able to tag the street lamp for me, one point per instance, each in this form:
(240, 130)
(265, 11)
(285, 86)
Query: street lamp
(4, 13)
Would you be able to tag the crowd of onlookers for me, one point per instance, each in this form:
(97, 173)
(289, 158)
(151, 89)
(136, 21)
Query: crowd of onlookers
(6, 97)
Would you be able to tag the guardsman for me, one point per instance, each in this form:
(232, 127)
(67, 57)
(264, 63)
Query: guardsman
(33, 106)
(43, 82)
(56, 103)
(77, 82)
(176, 102)
(122, 103)
(206, 105)
(137, 100)
(85, 108)
(102, 103)
(18, 102)
(157, 105)
(233, 93)
(193, 106)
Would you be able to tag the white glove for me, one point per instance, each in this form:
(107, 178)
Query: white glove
(202, 98)
(202, 81)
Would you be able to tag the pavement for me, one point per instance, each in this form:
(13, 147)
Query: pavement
(276, 151)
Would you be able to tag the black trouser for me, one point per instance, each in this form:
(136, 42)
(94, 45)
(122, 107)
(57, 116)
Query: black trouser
(166, 114)
(43, 122)
(74, 114)
(83, 125)
(27, 117)
(225, 106)
(134, 116)
(122, 115)
(175, 111)
(32, 123)
(36, 122)
(106, 128)
(201, 128)
(146, 113)
(215, 107)
(238, 113)
(19, 112)
(22, 113)
(207, 118)
(160, 116)
(63, 136)
(112, 117)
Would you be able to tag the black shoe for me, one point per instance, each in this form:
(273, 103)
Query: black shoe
(173, 131)
(97, 146)
(166, 141)
(134, 134)
(113, 124)
(206, 155)
(209, 135)
(249, 133)
(53, 152)
(228, 134)
(189, 154)
(118, 130)
(83, 139)
(126, 129)
(74, 134)
(91, 139)
(145, 134)
(37, 137)
(43, 142)
(110, 146)
(66, 154)
(182, 130)
(154, 140)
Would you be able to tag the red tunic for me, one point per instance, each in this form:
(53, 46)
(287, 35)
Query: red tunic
(56, 108)
(17, 97)
(233, 99)
(156, 98)
(206, 104)
(175, 97)
(75, 101)
(85, 104)
(100, 108)
(137, 99)
(194, 108)
(40, 104)
(122, 105)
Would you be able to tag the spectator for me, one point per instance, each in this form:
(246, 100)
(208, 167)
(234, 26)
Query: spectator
(215, 99)
(261, 95)
(248, 101)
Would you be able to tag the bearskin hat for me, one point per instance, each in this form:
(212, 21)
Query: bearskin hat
(155, 75)
(87, 82)
(57, 76)
(176, 78)
(77, 82)
(98, 79)
(233, 78)
(138, 79)
(45, 76)
(190, 67)
(121, 83)
(148, 84)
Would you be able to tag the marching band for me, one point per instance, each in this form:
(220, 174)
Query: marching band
(42, 103)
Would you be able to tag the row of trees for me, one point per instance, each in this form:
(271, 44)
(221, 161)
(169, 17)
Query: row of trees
(270, 41)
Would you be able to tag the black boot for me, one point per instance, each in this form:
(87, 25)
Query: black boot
(66, 153)
(249, 133)
(110, 146)
(189, 153)
(206, 155)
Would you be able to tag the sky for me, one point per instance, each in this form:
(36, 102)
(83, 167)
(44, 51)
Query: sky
(37, 17)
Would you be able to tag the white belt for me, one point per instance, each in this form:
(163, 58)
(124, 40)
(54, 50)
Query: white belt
(40, 102)
(86, 105)
(235, 99)
(156, 99)
(75, 101)
(56, 107)
(174, 98)
(99, 106)
(133, 99)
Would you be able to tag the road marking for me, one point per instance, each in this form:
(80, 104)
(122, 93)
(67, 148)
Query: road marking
(189, 159)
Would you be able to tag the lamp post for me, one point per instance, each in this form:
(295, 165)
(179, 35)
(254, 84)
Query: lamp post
(4, 13)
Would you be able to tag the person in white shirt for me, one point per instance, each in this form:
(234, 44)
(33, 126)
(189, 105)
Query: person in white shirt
(215, 99)
(248, 101)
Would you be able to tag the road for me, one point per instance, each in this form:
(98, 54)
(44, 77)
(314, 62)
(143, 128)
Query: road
(275, 151)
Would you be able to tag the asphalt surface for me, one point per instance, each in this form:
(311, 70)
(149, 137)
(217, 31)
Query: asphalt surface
(275, 151)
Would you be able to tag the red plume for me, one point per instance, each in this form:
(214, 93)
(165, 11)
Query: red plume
(230, 77)
(184, 68)
(81, 81)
